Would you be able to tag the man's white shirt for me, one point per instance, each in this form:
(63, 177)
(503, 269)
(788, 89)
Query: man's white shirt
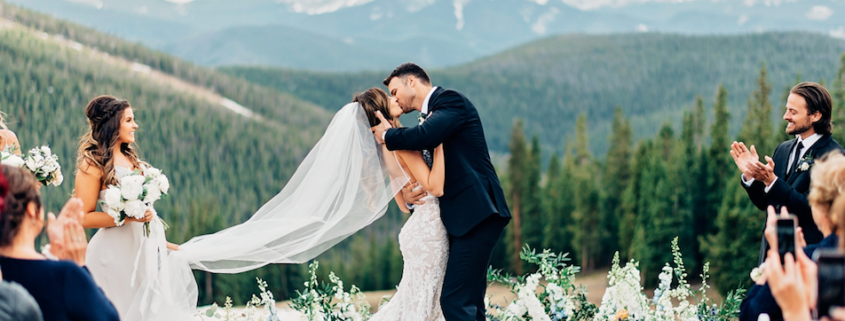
(806, 142)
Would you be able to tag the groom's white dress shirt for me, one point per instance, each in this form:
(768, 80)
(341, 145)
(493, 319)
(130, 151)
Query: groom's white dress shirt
(805, 142)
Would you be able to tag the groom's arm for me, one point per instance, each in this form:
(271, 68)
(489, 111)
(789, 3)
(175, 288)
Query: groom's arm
(449, 115)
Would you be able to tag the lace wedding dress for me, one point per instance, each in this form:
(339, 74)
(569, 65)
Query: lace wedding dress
(424, 243)
(138, 274)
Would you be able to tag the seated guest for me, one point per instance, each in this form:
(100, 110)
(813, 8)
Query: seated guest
(63, 289)
(827, 176)
(15, 301)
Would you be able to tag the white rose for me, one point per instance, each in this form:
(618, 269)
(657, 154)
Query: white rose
(131, 187)
(58, 179)
(46, 150)
(153, 193)
(112, 198)
(163, 184)
(152, 172)
(805, 167)
(31, 164)
(135, 209)
(13, 160)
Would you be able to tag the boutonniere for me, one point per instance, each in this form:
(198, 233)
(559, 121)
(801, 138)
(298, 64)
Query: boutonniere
(805, 163)
(421, 118)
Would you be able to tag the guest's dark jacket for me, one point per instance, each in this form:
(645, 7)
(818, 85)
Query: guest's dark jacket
(63, 290)
(16, 303)
(792, 192)
(759, 298)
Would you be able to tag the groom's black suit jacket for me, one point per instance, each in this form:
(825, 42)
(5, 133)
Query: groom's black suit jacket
(472, 191)
(792, 192)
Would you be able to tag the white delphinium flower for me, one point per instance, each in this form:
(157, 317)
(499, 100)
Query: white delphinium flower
(131, 187)
(528, 295)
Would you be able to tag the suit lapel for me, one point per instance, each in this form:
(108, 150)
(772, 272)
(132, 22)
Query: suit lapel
(811, 151)
(782, 161)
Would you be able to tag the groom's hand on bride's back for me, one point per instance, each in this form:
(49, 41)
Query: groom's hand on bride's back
(378, 130)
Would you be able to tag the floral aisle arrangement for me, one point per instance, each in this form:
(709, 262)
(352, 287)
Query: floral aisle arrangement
(40, 161)
(558, 300)
(624, 300)
(328, 301)
(249, 313)
(549, 294)
(135, 194)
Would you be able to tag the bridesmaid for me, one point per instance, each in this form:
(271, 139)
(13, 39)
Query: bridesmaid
(8, 139)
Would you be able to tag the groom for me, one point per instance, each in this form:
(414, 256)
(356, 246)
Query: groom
(472, 207)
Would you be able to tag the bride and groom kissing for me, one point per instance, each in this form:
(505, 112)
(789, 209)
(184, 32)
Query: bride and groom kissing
(440, 170)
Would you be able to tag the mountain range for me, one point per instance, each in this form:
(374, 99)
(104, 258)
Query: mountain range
(355, 35)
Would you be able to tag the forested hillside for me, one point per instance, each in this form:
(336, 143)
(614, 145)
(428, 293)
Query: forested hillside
(223, 165)
(548, 83)
(645, 192)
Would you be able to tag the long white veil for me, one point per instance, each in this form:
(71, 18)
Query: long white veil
(344, 184)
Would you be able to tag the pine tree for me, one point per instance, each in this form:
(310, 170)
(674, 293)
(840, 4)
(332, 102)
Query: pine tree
(531, 216)
(587, 234)
(719, 161)
(516, 169)
(558, 229)
(631, 200)
(617, 173)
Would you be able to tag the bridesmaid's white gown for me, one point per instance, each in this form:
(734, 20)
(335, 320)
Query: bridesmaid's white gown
(424, 243)
(143, 279)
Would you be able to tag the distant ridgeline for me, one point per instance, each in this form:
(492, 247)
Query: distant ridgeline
(548, 83)
(226, 144)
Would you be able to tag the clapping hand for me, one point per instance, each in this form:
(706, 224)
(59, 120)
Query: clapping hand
(378, 130)
(744, 157)
(763, 172)
(67, 237)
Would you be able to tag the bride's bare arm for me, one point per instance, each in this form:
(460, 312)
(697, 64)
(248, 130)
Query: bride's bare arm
(431, 180)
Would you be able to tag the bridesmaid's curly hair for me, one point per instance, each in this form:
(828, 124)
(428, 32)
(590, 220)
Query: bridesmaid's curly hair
(97, 145)
(22, 189)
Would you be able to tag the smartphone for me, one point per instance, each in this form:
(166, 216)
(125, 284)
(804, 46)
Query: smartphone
(830, 289)
(786, 236)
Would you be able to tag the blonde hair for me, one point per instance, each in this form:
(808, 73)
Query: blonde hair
(96, 146)
(827, 188)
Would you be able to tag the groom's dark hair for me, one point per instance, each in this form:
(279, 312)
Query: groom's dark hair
(408, 69)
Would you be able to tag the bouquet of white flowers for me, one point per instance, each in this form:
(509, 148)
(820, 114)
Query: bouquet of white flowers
(44, 165)
(135, 194)
(40, 161)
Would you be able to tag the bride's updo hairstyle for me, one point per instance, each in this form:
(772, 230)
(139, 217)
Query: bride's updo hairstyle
(372, 100)
(96, 146)
(827, 189)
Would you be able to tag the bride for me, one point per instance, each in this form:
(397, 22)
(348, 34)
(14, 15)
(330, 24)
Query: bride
(345, 183)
